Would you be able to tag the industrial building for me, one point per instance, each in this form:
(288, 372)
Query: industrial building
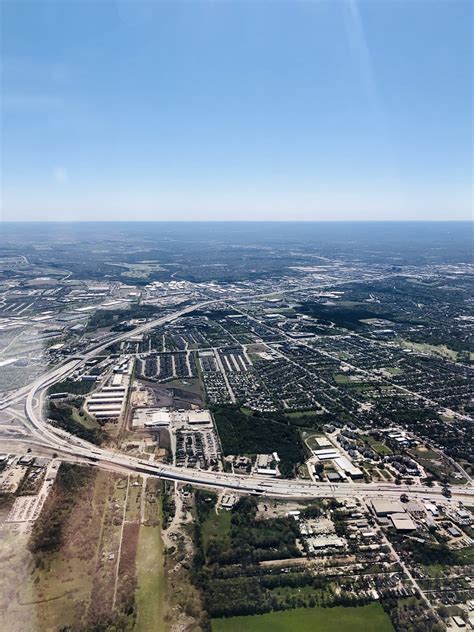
(164, 417)
(383, 508)
(108, 402)
(402, 522)
(340, 462)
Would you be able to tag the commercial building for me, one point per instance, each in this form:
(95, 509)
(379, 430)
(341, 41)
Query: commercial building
(163, 417)
(266, 464)
(384, 508)
(402, 522)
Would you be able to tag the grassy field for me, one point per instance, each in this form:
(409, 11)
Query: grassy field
(311, 441)
(85, 419)
(306, 413)
(216, 526)
(382, 449)
(150, 571)
(423, 347)
(340, 378)
(379, 447)
(188, 384)
(248, 412)
(151, 583)
(364, 619)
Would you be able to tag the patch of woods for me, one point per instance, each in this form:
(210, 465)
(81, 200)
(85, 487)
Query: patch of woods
(226, 565)
(342, 316)
(47, 532)
(429, 552)
(411, 615)
(249, 540)
(62, 416)
(114, 318)
(258, 434)
(74, 387)
(168, 505)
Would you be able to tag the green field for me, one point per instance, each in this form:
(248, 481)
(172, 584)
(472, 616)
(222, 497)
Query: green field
(422, 347)
(216, 526)
(311, 441)
(340, 378)
(189, 384)
(381, 448)
(150, 591)
(248, 412)
(85, 419)
(378, 446)
(303, 413)
(369, 618)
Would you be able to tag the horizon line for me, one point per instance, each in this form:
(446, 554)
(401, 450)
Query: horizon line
(237, 221)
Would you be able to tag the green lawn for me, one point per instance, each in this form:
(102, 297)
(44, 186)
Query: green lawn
(439, 350)
(378, 446)
(369, 618)
(340, 378)
(150, 581)
(216, 525)
(188, 384)
(311, 441)
(248, 412)
(382, 449)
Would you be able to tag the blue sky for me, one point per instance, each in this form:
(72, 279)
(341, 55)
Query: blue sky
(236, 110)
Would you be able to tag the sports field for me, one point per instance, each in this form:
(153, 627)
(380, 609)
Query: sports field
(369, 618)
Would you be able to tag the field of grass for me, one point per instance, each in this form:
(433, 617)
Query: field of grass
(70, 586)
(216, 526)
(369, 618)
(248, 412)
(423, 347)
(189, 384)
(151, 583)
(378, 446)
(307, 413)
(85, 419)
(382, 449)
(340, 378)
(311, 441)
(425, 454)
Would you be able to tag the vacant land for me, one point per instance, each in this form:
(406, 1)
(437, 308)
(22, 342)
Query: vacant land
(150, 576)
(64, 573)
(423, 347)
(216, 526)
(378, 446)
(363, 619)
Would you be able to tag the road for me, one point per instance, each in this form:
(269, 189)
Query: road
(71, 448)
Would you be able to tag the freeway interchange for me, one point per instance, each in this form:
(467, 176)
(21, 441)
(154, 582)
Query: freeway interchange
(71, 448)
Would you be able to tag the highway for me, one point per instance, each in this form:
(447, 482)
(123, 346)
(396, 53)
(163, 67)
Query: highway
(71, 448)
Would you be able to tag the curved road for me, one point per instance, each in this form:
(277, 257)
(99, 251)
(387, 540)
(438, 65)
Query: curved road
(71, 448)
